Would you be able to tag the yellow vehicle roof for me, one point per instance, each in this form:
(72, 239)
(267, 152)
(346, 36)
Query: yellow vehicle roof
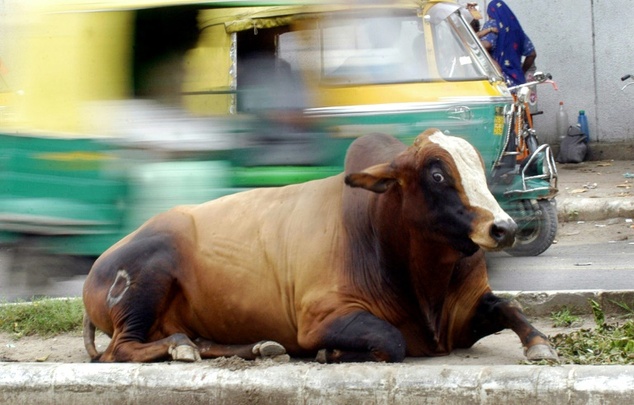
(111, 5)
(48, 87)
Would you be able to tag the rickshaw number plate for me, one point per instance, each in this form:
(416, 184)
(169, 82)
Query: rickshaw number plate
(498, 125)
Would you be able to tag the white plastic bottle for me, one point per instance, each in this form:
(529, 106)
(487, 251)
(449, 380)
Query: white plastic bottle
(562, 121)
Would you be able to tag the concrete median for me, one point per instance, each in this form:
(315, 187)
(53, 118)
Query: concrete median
(298, 383)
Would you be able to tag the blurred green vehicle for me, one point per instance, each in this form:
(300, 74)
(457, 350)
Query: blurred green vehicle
(113, 111)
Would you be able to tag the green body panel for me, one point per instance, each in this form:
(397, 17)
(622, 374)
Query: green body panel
(478, 129)
(270, 176)
(158, 186)
(61, 187)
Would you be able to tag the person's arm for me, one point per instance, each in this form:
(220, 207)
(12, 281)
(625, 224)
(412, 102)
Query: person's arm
(487, 31)
(529, 60)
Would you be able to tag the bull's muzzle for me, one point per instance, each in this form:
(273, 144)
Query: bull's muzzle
(503, 232)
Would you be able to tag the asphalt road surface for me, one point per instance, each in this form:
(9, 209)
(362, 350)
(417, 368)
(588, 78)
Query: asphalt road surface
(580, 266)
(592, 266)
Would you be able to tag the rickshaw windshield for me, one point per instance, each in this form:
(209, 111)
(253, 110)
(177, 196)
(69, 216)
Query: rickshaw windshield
(390, 46)
(458, 53)
(372, 49)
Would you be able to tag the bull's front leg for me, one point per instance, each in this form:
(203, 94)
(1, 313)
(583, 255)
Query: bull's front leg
(494, 314)
(361, 336)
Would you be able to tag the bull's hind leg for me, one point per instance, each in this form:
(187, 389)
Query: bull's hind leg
(260, 350)
(133, 290)
(176, 347)
(494, 314)
(179, 347)
(135, 313)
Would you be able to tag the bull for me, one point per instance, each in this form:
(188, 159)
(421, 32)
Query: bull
(383, 261)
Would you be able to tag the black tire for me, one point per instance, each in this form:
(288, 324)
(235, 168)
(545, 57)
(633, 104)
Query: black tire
(536, 234)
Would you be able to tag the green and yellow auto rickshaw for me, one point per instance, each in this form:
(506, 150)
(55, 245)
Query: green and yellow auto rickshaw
(115, 110)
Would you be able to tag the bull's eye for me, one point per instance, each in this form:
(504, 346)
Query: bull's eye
(438, 177)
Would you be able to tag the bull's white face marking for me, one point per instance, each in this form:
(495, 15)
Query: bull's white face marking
(118, 288)
(471, 172)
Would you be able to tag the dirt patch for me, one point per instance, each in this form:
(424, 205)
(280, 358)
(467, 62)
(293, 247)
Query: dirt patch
(500, 348)
(65, 348)
(69, 348)
(604, 179)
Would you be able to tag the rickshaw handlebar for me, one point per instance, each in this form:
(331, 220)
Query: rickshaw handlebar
(539, 78)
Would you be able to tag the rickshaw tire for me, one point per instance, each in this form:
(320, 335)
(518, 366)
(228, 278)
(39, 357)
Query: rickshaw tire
(540, 238)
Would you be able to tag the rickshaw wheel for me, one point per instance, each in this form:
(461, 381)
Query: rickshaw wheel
(536, 233)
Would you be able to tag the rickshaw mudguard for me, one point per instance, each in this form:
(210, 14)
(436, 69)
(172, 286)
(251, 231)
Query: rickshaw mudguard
(536, 180)
(536, 190)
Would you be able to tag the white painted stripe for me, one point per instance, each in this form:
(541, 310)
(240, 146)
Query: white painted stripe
(472, 173)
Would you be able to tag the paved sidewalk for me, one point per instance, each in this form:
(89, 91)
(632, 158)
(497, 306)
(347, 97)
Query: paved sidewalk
(596, 190)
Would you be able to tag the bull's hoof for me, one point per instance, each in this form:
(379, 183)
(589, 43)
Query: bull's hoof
(328, 356)
(321, 357)
(184, 353)
(541, 352)
(268, 349)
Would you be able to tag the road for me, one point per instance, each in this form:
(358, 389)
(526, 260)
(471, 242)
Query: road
(52, 280)
(586, 266)
(580, 266)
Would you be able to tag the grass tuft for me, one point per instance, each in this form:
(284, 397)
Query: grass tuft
(44, 317)
(564, 318)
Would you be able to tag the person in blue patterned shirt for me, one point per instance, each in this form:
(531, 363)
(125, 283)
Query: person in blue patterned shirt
(507, 42)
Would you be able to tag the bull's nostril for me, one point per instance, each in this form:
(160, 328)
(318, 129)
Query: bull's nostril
(503, 231)
(498, 233)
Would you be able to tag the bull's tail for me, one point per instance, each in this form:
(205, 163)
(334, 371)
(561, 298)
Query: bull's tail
(89, 337)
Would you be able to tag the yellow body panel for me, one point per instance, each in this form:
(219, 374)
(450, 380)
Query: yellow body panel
(208, 68)
(404, 93)
(65, 61)
(70, 54)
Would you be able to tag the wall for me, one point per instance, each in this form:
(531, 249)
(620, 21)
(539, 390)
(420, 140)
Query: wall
(587, 46)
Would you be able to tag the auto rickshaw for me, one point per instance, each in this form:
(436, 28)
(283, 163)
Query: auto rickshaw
(398, 67)
(116, 110)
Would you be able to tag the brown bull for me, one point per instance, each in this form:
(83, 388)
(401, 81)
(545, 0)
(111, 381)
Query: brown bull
(374, 265)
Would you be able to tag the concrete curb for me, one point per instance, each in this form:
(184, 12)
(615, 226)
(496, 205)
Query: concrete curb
(297, 383)
(544, 303)
(593, 209)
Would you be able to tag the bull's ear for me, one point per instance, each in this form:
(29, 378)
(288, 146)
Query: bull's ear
(376, 178)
